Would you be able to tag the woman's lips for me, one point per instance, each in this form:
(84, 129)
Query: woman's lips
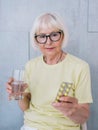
(50, 49)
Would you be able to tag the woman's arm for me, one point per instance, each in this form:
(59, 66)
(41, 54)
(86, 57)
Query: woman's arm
(69, 106)
(25, 102)
(80, 113)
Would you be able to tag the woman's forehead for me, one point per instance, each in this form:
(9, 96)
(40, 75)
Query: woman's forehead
(47, 29)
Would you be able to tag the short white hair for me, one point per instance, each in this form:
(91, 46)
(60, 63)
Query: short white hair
(49, 20)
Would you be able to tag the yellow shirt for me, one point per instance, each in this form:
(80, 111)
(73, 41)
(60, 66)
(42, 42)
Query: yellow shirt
(44, 81)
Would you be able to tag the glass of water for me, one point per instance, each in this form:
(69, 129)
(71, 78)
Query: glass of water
(18, 84)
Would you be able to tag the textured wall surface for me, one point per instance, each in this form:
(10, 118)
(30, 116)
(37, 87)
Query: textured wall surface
(16, 18)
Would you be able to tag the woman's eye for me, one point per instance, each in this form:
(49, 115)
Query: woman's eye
(42, 36)
(54, 34)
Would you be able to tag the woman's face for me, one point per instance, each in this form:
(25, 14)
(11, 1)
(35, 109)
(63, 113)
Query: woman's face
(50, 48)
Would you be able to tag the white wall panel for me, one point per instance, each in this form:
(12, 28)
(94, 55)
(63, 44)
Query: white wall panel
(13, 54)
(93, 16)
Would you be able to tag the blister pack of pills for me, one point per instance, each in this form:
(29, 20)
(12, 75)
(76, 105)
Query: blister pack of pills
(63, 90)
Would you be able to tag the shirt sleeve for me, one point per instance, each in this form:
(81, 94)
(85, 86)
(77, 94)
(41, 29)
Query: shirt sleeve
(83, 86)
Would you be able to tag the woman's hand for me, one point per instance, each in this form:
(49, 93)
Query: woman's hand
(69, 107)
(9, 87)
(23, 103)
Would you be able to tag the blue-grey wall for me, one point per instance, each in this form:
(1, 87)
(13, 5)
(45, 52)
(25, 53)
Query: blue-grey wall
(16, 17)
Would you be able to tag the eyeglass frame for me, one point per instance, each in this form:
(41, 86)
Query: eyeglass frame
(48, 35)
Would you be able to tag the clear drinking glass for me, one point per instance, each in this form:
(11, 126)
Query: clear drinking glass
(17, 84)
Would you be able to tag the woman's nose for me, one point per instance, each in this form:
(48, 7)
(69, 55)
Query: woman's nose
(48, 40)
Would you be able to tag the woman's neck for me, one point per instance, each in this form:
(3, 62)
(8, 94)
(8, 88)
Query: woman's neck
(56, 59)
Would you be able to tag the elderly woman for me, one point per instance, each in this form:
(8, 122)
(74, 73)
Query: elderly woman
(55, 70)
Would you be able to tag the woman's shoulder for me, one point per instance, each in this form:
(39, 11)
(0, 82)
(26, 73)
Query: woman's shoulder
(76, 60)
(34, 61)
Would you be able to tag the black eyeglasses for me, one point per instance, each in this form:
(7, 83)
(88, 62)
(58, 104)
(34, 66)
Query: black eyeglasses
(53, 36)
